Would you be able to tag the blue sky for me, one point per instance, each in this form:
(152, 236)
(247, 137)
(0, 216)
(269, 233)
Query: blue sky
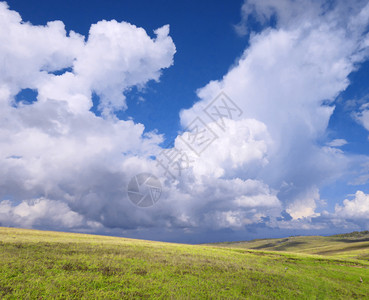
(88, 104)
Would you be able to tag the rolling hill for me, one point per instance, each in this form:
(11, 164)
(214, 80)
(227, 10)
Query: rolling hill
(351, 245)
(42, 264)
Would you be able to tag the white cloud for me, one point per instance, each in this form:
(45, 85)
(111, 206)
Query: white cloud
(287, 80)
(243, 145)
(120, 55)
(41, 213)
(304, 205)
(337, 143)
(29, 52)
(287, 12)
(115, 57)
(362, 116)
(55, 148)
(357, 208)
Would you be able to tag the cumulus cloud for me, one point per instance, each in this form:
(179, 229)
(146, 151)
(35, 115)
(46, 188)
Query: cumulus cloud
(55, 148)
(76, 165)
(358, 208)
(350, 215)
(304, 205)
(337, 143)
(118, 56)
(288, 80)
(43, 213)
(285, 11)
(115, 57)
(362, 116)
(242, 146)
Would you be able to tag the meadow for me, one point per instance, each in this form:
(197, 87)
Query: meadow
(42, 265)
(351, 245)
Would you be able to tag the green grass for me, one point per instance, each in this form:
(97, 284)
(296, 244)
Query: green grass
(347, 246)
(41, 265)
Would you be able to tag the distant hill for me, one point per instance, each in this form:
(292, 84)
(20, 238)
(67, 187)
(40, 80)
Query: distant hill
(355, 234)
(55, 265)
(349, 245)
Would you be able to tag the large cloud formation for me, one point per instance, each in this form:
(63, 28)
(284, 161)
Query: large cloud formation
(60, 163)
(63, 167)
(288, 79)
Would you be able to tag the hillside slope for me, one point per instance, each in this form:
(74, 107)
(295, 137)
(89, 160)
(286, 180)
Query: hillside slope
(350, 245)
(40, 264)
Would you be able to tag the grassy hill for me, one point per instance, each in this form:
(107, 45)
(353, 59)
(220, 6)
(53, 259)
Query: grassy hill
(40, 264)
(351, 245)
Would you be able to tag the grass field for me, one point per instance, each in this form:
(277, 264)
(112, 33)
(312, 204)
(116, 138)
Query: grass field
(352, 245)
(42, 265)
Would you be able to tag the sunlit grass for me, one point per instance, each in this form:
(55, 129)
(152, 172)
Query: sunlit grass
(353, 245)
(40, 264)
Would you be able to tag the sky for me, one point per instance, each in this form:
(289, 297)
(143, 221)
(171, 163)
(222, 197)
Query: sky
(185, 121)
